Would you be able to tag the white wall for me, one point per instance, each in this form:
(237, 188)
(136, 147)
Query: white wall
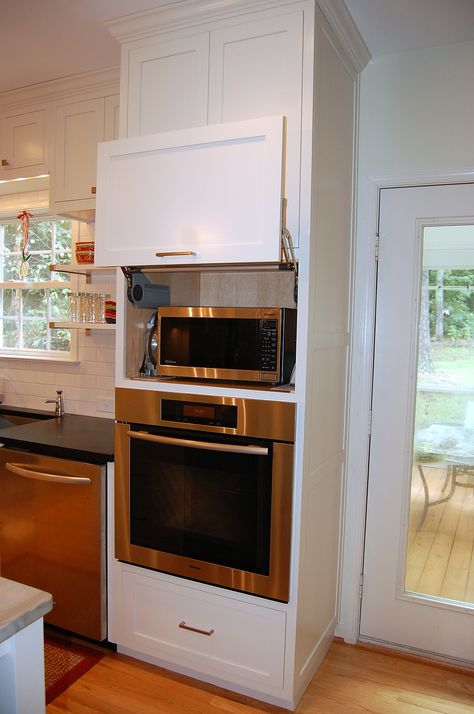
(27, 383)
(416, 124)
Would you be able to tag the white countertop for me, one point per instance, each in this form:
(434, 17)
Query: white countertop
(20, 605)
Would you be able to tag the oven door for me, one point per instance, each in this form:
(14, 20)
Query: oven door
(208, 507)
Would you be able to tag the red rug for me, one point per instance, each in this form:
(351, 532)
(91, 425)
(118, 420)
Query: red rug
(64, 663)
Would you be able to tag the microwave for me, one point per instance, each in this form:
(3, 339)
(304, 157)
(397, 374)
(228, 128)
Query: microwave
(227, 343)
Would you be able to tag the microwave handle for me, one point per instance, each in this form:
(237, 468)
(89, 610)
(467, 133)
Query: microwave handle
(192, 444)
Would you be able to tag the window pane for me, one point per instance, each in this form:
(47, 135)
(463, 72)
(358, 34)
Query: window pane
(10, 303)
(34, 334)
(11, 238)
(59, 303)
(10, 333)
(40, 236)
(440, 560)
(60, 340)
(11, 265)
(34, 303)
(38, 267)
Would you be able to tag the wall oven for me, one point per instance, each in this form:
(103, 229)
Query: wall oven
(204, 488)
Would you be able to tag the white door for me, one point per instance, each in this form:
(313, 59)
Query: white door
(418, 588)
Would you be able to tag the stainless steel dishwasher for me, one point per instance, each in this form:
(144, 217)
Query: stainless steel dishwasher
(52, 535)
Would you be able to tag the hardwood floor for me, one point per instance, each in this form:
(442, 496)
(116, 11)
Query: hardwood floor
(351, 680)
(440, 558)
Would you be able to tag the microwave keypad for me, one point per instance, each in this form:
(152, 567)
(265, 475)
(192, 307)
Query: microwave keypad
(269, 345)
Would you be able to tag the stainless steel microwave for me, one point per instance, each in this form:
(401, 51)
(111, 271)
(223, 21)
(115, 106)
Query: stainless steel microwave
(239, 344)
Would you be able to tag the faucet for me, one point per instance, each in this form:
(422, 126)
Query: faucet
(59, 411)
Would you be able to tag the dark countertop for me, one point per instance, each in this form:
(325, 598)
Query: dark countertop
(72, 436)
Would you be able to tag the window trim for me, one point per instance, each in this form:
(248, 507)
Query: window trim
(15, 353)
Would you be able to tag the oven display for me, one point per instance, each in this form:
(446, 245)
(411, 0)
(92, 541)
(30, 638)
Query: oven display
(199, 413)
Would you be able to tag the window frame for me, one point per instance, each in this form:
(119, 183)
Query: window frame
(36, 354)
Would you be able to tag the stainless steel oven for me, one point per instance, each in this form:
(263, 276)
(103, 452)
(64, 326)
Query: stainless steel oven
(204, 488)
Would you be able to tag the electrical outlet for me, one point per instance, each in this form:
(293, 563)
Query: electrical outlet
(105, 405)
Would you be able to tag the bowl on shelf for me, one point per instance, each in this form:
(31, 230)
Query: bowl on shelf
(84, 252)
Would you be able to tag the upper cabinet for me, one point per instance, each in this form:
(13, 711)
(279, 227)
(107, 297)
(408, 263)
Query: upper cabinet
(79, 127)
(24, 142)
(249, 66)
(167, 85)
(205, 195)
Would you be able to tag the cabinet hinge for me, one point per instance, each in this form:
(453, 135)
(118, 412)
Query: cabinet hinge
(370, 423)
(361, 585)
(377, 246)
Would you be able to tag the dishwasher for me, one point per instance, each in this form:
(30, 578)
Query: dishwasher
(52, 535)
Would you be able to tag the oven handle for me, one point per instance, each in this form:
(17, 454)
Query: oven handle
(20, 470)
(191, 444)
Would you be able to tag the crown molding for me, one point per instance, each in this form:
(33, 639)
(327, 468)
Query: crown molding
(184, 14)
(345, 29)
(180, 15)
(95, 81)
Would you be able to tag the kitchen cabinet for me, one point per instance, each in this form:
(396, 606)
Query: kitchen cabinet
(207, 195)
(299, 59)
(249, 68)
(79, 127)
(24, 142)
(203, 630)
(167, 85)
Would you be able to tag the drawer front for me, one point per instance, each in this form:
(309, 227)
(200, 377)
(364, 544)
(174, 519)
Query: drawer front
(215, 635)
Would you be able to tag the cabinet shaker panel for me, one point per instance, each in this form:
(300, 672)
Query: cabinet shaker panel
(79, 128)
(178, 197)
(168, 85)
(256, 70)
(24, 143)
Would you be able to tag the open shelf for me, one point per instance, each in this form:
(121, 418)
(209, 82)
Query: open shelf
(86, 269)
(68, 325)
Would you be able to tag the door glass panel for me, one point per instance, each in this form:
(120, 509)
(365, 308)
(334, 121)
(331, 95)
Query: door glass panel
(440, 553)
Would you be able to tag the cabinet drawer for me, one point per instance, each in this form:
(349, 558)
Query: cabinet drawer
(212, 634)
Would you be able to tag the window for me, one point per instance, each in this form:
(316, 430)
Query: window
(28, 304)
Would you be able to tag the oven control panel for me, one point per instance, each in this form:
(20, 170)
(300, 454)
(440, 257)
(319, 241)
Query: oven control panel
(199, 413)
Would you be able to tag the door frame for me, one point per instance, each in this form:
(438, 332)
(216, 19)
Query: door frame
(364, 293)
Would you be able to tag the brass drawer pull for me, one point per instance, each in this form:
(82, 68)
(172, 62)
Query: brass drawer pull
(5, 162)
(184, 626)
(93, 190)
(165, 253)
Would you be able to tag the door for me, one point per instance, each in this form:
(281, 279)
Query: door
(418, 588)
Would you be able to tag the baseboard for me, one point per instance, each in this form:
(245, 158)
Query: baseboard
(429, 658)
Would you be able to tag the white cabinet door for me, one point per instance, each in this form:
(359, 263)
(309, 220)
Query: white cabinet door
(167, 85)
(256, 70)
(205, 195)
(216, 635)
(79, 128)
(24, 143)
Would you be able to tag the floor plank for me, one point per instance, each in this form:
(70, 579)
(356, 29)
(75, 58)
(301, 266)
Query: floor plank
(351, 680)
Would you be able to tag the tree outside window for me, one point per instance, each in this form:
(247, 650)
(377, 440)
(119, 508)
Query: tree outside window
(27, 305)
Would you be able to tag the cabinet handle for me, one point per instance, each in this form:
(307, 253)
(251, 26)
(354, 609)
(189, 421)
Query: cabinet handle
(184, 626)
(165, 254)
(5, 162)
(23, 470)
(93, 190)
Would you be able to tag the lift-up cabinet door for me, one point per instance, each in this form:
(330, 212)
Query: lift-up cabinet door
(209, 194)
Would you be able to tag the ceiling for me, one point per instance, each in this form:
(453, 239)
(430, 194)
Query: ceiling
(49, 39)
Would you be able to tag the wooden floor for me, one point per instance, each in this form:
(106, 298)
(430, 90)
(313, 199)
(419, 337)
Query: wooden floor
(351, 680)
(440, 559)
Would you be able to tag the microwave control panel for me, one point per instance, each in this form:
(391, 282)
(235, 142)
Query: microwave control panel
(269, 346)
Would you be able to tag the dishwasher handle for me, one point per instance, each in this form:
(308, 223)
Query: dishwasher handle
(193, 444)
(23, 470)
